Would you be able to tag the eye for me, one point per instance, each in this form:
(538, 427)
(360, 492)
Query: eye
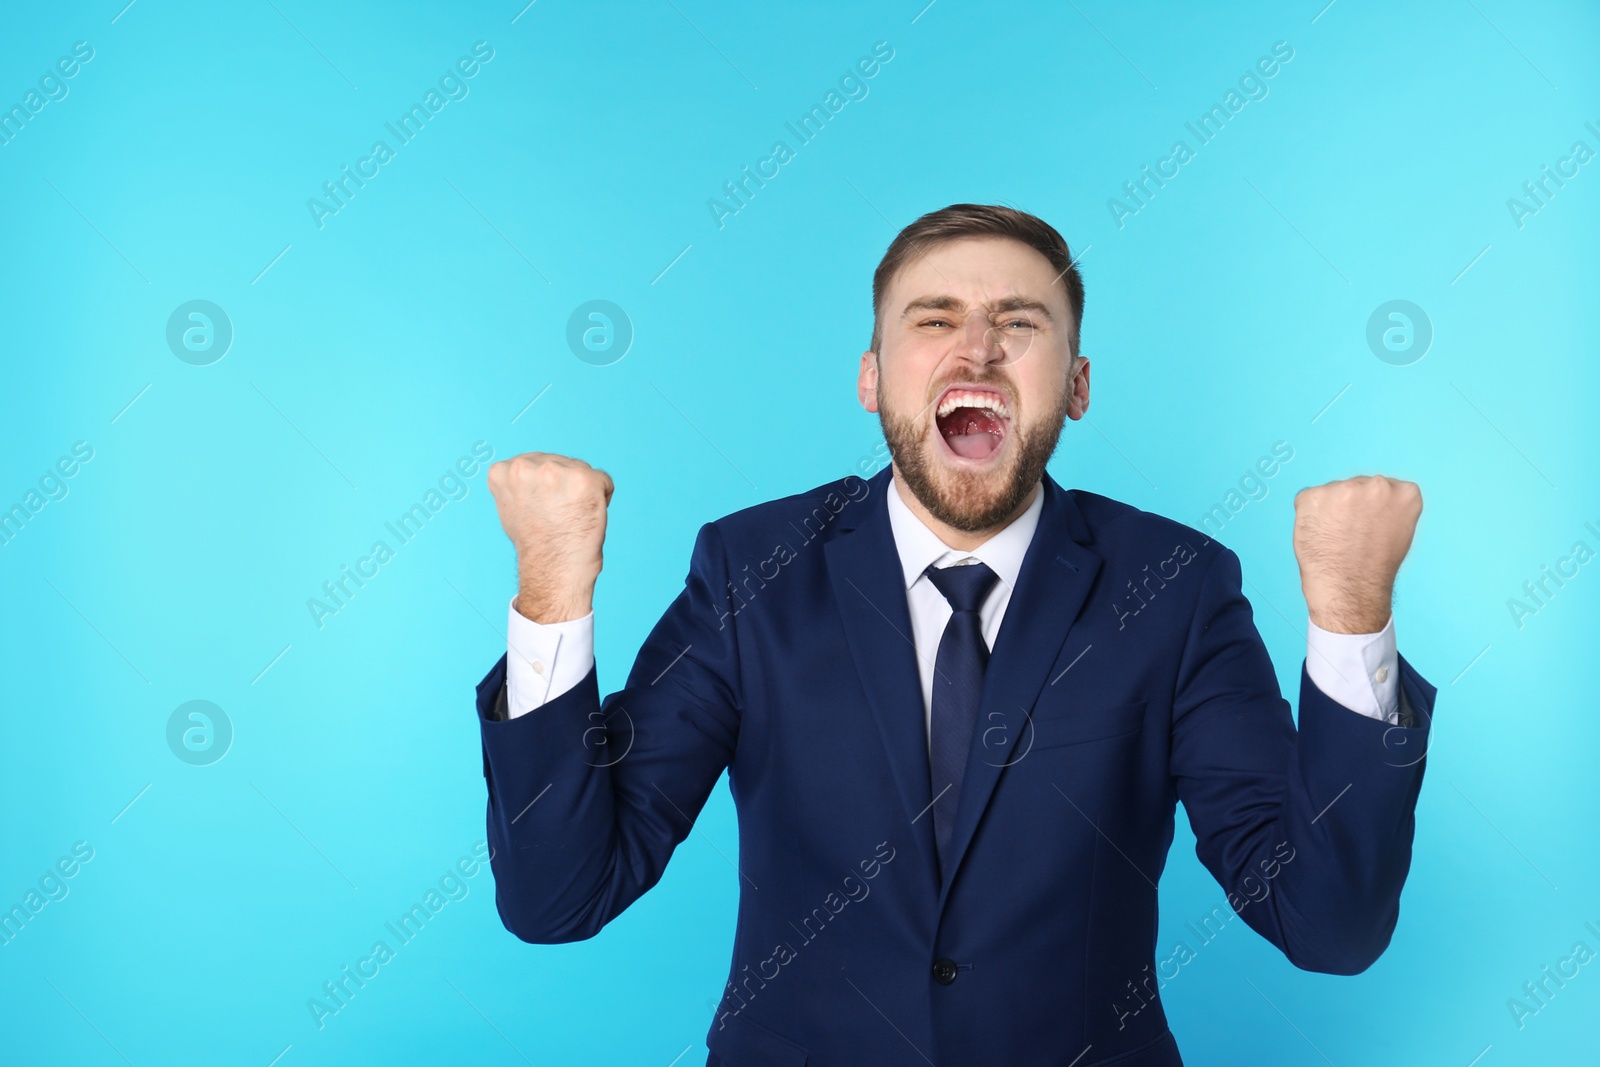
(1024, 323)
(933, 322)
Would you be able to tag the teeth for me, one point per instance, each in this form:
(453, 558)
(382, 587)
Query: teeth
(961, 398)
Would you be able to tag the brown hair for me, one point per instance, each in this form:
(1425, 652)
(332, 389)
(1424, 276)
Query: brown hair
(979, 220)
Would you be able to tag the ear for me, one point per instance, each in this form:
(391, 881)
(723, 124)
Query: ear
(867, 381)
(1078, 400)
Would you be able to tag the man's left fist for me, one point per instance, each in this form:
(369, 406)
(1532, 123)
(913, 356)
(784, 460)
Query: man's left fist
(1349, 537)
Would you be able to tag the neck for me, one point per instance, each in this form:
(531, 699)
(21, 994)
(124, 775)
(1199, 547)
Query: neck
(960, 540)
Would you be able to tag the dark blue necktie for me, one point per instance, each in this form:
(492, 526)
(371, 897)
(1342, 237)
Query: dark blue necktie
(957, 689)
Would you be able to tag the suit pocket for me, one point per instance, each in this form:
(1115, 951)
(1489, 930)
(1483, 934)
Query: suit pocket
(746, 1043)
(1065, 722)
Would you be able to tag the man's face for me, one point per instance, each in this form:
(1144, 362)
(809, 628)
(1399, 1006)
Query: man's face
(974, 378)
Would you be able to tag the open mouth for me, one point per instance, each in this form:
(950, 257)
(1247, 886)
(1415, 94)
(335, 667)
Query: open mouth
(973, 423)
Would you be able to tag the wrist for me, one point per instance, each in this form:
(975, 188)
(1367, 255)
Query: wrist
(551, 611)
(544, 603)
(1366, 613)
(544, 608)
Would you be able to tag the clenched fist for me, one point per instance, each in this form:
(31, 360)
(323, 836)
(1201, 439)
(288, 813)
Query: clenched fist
(554, 510)
(1350, 537)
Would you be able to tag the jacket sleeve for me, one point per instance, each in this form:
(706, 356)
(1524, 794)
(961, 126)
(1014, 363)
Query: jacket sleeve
(1308, 831)
(588, 798)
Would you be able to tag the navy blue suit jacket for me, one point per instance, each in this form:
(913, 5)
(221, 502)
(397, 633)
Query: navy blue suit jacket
(1128, 675)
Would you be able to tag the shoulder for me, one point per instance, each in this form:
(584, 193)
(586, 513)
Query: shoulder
(1124, 533)
(816, 512)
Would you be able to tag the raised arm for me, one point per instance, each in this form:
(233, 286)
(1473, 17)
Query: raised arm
(1309, 831)
(589, 798)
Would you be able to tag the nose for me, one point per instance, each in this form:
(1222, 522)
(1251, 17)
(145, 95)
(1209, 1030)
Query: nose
(980, 340)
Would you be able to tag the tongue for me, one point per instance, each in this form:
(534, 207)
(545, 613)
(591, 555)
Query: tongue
(972, 445)
(972, 433)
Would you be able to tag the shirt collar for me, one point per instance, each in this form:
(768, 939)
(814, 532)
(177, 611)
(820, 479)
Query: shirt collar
(920, 547)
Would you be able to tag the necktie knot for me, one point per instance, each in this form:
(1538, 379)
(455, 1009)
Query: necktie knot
(964, 586)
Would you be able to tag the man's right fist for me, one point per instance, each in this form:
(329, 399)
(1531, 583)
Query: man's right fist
(554, 510)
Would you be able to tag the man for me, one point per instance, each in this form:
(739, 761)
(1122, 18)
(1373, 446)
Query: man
(957, 705)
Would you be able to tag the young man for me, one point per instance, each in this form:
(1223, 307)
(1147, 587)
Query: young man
(958, 705)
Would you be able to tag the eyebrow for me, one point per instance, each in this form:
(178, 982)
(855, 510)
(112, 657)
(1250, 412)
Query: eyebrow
(953, 304)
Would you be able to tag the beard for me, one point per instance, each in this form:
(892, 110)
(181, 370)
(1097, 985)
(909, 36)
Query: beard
(968, 500)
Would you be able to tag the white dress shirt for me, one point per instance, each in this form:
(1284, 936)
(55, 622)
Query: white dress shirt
(1359, 671)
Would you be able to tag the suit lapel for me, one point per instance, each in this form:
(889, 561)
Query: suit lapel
(1057, 573)
(869, 586)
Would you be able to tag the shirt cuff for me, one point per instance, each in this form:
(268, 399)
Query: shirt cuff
(1359, 671)
(544, 659)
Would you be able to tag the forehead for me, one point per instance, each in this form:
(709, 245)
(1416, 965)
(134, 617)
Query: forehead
(978, 270)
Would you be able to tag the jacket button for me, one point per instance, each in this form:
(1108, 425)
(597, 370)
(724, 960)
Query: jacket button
(944, 971)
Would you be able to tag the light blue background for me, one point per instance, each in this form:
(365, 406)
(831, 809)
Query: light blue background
(428, 313)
